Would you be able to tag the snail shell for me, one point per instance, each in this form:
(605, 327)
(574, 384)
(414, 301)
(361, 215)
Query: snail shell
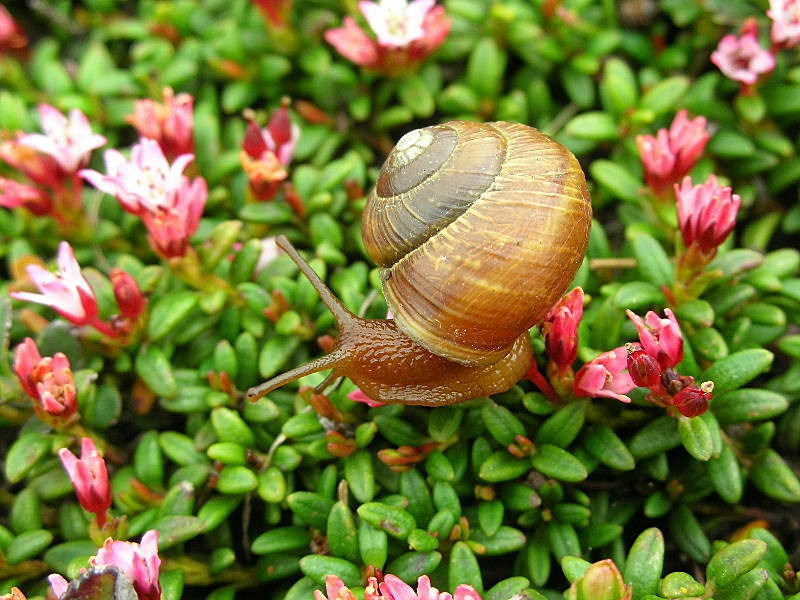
(479, 228)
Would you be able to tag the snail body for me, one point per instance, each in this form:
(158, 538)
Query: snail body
(478, 228)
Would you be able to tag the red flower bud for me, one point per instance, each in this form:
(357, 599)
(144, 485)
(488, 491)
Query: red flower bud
(129, 297)
(692, 401)
(643, 368)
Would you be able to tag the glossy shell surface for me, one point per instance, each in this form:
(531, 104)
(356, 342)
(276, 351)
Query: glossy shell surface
(479, 228)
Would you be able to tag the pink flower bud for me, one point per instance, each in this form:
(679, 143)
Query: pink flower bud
(660, 338)
(139, 562)
(672, 153)
(12, 37)
(14, 195)
(89, 477)
(692, 401)
(560, 328)
(707, 213)
(66, 291)
(69, 141)
(643, 368)
(129, 297)
(785, 15)
(605, 377)
(267, 152)
(170, 123)
(743, 58)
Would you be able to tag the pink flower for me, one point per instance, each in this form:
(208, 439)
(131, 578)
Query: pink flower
(707, 213)
(605, 377)
(69, 141)
(743, 58)
(58, 584)
(266, 152)
(66, 291)
(12, 37)
(396, 23)
(146, 182)
(660, 338)
(560, 329)
(692, 401)
(335, 589)
(359, 396)
(14, 194)
(89, 478)
(785, 15)
(139, 562)
(171, 124)
(169, 203)
(672, 153)
(406, 34)
(49, 381)
(394, 588)
(41, 169)
(129, 297)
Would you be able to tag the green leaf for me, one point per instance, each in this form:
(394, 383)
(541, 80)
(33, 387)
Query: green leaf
(770, 473)
(594, 126)
(604, 444)
(411, 565)
(373, 544)
(318, 567)
(463, 567)
(486, 67)
(688, 534)
(155, 370)
(504, 541)
(737, 369)
(726, 475)
(618, 86)
(342, 533)
(696, 437)
(311, 508)
(501, 423)
(658, 436)
(559, 464)
(561, 428)
(282, 539)
(733, 561)
(617, 180)
(747, 405)
(28, 545)
(169, 311)
(665, 95)
(395, 521)
(652, 261)
(501, 466)
(23, 455)
(644, 563)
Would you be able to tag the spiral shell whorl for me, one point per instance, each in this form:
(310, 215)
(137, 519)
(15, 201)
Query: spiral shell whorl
(476, 250)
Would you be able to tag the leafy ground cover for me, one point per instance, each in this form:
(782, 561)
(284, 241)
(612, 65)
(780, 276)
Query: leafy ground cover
(151, 152)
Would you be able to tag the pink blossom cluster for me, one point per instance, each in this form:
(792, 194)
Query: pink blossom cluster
(70, 295)
(394, 588)
(407, 33)
(147, 185)
(707, 213)
(139, 562)
(651, 364)
(50, 162)
(266, 152)
(170, 123)
(48, 381)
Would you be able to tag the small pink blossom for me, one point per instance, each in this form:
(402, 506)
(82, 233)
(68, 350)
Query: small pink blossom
(406, 34)
(743, 58)
(560, 329)
(785, 15)
(66, 291)
(41, 169)
(707, 213)
(58, 584)
(170, 123)
(169, 203)
(660, 338)
(605, 376)
(89, 477)
(396, 23)
(267, 151)
(48, 381)
(139, 562)
(394, 588)
(359, 396)
(335, 589)
(14, 194)
(671, 154)
(146, 182)
(69, 141)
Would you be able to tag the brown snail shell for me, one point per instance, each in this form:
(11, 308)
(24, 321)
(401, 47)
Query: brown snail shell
(479, 229)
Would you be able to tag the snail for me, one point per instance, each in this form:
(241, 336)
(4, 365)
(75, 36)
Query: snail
(478, 229)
